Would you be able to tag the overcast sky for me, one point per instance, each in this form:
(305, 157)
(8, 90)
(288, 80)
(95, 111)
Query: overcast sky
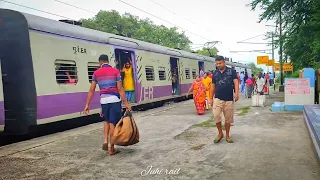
(228, 21)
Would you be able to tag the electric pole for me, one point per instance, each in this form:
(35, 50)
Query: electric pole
(281, 87)
(274, 74)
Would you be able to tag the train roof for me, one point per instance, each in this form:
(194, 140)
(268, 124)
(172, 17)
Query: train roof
(56, 27)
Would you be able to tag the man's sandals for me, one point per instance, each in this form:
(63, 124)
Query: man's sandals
(218, 139)
(105, 148)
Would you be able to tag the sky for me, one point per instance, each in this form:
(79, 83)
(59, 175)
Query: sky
(227, 21)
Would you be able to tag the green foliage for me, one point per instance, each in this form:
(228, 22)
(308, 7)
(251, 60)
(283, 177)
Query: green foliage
(294, 74)
(142, 29)
(208, 52)
(255, 69)
(301, 25)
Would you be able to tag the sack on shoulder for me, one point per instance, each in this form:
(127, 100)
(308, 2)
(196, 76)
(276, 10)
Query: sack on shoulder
(126, 132)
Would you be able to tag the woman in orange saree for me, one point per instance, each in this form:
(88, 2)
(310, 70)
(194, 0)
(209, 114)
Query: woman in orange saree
(199, 95)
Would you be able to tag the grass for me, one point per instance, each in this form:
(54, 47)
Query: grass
(186, 135)
(244, 110)
(196, 148)
(208, 123)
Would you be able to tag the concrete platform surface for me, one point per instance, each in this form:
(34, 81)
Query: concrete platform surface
(267, 146)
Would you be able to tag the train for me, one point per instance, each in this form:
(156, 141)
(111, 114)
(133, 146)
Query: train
(36, 53)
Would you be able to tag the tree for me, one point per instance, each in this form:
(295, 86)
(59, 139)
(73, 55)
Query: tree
(131, 26)
(301, 25)
(207, 52)
(254, 68)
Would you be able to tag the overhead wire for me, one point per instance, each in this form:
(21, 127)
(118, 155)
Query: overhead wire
(162, 19)
(74, 6)
(251, 38)
(94, 13)
(172, 11)
(36, 9)
(139, 10)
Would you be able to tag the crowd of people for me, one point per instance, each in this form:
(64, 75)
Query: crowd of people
(217, 91)
(248, 85)
(220, 90)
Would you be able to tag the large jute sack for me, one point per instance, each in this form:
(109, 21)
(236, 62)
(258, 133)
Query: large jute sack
(258, 100)
(126, 132)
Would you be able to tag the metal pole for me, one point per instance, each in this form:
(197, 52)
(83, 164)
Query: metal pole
(274, 74)
(281, 87)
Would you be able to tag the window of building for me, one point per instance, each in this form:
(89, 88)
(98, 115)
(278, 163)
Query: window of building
(66, 72)
(162, 73)
(91, 68)
(187, 72)
(194, 73)
(149, 73)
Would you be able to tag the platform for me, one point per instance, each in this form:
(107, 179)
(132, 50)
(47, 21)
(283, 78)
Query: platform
(312, 119)
(267, 146)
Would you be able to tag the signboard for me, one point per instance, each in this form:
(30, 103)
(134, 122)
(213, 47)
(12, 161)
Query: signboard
(271, 62)
(262, 60)
(291, 86)
(276, 66)
(297, 86)
(285, 66)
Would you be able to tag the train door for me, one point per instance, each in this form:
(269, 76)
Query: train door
(201, 67)
(174, 68)
(125, 62)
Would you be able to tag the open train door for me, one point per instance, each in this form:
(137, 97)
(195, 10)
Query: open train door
(124, 57)
(175, 75)
(201, 66)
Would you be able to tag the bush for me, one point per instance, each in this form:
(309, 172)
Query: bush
(294, 74)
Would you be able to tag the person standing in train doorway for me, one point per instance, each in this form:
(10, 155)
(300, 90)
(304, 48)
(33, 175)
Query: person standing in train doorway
(174, 79)
(111, 93)
(128, 82)
(223, 82)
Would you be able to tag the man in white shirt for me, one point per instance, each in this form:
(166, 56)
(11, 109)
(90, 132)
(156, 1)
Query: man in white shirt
(260, 82)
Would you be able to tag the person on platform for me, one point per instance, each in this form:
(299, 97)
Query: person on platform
(225, 90)
(242, 82)
(199, 95)
(245, 80)
(267, 78)
(210, 74)
(201, 73)
(111, 93)
(260, 83)
(128, 82)
(249, 87)
(271, 79)
(207, 82)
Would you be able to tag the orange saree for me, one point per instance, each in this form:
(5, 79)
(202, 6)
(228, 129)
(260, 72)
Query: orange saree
(199, 96)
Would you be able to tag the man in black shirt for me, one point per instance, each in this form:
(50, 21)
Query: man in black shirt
(224, 81)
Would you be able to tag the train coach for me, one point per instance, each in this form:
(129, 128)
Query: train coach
(39, 55)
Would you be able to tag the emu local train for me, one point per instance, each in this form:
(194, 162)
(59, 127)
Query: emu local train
(38, 55)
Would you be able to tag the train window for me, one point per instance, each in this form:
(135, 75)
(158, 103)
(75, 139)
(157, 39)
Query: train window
(66, 72)
(194, 73)
(149, 73)
(187, 71)
(91, 68)
(162, 73)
